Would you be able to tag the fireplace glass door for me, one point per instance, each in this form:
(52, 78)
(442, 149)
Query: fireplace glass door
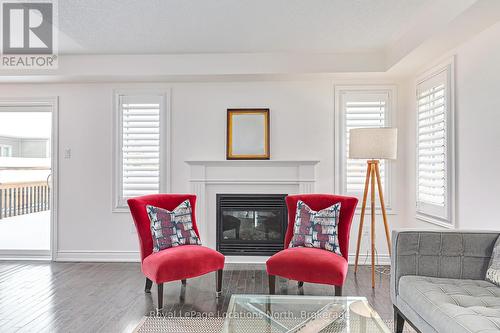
(250, 224)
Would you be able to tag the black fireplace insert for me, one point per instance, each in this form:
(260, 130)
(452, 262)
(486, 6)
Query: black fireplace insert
(251, 224)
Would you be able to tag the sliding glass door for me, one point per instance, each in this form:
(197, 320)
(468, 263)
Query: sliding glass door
(25, 179)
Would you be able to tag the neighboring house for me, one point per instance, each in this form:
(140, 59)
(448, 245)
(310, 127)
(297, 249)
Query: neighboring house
(24, 159)
(11, 146)
(5, 150)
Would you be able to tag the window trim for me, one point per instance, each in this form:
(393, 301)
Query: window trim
(339, 137)
(165, 144)
(449, 221)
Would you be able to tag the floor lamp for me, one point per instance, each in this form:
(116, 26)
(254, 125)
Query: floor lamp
(373, 144)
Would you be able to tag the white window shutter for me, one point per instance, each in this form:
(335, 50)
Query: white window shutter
(433, 146)
(362, 109)
(139, 146)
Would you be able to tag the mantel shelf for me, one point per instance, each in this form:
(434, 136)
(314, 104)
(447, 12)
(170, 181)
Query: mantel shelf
(253, 162)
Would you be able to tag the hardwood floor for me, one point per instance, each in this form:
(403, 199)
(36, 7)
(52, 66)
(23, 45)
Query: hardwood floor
(109, 297)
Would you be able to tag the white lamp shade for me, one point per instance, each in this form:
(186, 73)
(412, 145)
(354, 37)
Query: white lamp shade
(373, 143)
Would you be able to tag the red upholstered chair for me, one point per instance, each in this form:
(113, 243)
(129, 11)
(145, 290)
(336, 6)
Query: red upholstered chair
(175, 263)
(310, 264)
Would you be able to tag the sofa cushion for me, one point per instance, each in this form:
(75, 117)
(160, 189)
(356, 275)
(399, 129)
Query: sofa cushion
(453, 305)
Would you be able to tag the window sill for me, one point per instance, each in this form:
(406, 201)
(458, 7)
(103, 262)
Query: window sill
(120, 210)
(435, 220)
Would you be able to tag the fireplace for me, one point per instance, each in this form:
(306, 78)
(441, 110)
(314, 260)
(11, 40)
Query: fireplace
(251, 224)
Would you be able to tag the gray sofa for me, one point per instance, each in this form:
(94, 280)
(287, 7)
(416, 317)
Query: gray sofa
(437, 281)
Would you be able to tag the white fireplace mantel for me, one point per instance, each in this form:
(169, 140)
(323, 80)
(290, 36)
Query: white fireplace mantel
(208, 178)
(266, 171)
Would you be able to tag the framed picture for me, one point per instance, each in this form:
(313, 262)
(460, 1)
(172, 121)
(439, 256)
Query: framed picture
(247, 134)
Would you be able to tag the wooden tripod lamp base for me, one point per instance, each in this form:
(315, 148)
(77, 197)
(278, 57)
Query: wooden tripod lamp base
(372, 174)
(372, 144)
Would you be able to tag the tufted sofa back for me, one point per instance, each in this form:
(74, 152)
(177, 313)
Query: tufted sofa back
(445, 254)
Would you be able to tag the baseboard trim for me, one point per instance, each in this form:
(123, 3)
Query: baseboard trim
(253, 260)
(365, 259)
(98, 256)
(29, 255)
(134, 256)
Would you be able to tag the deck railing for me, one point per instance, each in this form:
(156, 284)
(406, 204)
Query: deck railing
(23, 198)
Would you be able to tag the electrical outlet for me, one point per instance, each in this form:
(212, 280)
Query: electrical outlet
(366, 238)
(366, 231)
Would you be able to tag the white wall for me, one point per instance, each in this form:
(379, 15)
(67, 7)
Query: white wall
(302, 116)
(478, 130)
(477, 114)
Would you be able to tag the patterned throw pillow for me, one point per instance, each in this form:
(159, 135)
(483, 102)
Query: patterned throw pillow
(172, 228)
(316, 229)
(493, 272)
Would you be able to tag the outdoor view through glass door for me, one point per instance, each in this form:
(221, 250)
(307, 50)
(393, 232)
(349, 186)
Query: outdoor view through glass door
(25, 179)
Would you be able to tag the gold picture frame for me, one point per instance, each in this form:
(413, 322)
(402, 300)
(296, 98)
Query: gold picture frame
(247, 134)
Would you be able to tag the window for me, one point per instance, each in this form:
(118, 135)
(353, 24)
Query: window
(434, 146)
(5, 151)
(361, 107)
(141, 147)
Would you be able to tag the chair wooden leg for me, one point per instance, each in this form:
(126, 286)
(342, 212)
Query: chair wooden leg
(147, 288)
(272, 284)
(338, 290)
(160, 297)
(183, 282)
(300, 284)
(399, 321)
(219, 283)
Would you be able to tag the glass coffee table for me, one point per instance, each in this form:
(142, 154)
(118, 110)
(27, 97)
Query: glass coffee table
(301, 314)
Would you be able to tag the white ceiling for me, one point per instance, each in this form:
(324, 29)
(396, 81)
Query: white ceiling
(203, 40)
(232, 26)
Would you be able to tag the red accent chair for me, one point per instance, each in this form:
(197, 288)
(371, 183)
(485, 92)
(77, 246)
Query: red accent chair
(175, 263)
(313, 265)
